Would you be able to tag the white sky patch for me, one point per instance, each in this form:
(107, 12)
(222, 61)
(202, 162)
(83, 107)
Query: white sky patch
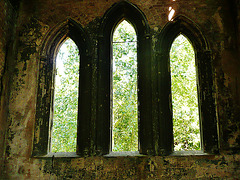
(171, 13)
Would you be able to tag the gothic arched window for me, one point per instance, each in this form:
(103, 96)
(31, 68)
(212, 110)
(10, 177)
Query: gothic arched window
(46, 89)
(205, 89)
(135, 17)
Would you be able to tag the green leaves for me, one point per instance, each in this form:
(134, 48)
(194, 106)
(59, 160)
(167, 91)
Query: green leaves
(66, 99)
(125, 100)
(125, 117)
(184, 96)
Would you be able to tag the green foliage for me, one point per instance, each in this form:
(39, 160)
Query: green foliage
(125, 116)
(184, 96)
(66, 99)
(125, 100)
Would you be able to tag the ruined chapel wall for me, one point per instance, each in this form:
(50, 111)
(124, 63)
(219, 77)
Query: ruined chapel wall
(36, 21)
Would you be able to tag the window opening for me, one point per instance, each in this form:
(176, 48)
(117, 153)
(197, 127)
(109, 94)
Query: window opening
(64, 131)
(184, 96)
(171, 13)
(124, 89)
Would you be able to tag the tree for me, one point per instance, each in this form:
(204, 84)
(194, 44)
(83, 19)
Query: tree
(125, 116)
(124, 96)
(184, 96)
(66, 98)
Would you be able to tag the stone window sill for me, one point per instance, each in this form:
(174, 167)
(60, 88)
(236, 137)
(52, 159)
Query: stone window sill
(121, 154)
(188, 153)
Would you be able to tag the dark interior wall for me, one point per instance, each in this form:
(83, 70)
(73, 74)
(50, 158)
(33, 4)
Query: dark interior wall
(37, 18)
(7, 25)
(237, 6)
(228, 75)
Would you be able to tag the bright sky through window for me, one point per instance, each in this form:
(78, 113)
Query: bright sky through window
(66, 98)
(171, 13)
(184, 96)
(124, 88)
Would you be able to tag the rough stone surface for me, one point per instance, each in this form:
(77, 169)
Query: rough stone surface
(7, 26)
(20, 51)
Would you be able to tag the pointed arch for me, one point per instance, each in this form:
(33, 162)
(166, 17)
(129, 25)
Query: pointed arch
(131, 13)
(69, 28)
(128, 11)
(44, 108)
(203, 60)
(182, 25)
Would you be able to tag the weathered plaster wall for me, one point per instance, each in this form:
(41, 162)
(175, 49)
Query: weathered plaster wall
(37, 18)
(228, 79)
(7, 21)
(190, 167)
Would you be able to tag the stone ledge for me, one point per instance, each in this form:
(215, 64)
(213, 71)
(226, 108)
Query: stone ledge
(121, 154)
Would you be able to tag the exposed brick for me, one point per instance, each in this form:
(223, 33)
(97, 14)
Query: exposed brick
(21, 47)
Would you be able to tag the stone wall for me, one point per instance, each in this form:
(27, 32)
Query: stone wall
(34, 22)
(7, 25)
(227, 77)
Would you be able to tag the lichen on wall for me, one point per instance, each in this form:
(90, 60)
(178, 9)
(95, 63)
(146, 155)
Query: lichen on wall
(34, 23)
(7, 27)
